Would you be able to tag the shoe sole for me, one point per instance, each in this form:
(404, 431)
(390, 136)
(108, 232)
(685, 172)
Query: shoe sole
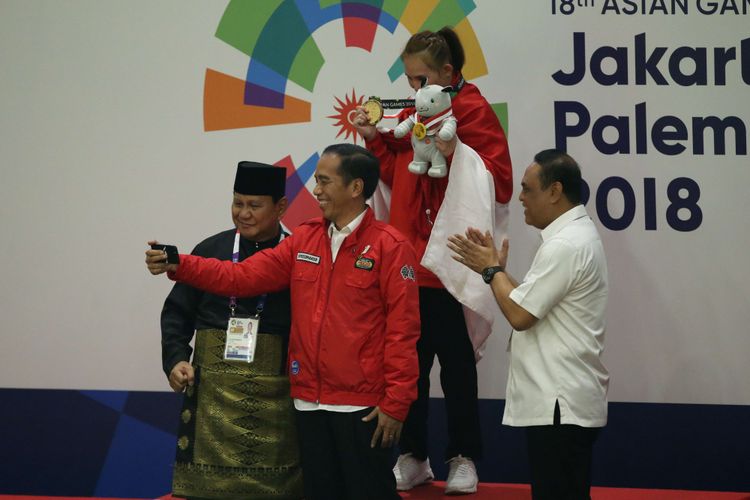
(467, 491)
(407, 487)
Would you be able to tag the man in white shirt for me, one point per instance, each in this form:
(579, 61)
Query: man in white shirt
(557, 384)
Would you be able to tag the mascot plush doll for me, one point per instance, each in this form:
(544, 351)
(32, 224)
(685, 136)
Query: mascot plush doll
(433, 117)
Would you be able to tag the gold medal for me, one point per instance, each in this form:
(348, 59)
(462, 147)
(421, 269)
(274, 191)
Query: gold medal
(419, 130)
(374, 110)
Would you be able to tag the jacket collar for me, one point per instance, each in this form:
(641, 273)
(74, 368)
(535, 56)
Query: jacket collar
(354, 237)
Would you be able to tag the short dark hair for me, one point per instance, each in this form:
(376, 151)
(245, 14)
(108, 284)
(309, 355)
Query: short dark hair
(357, 163)
(558, 166)
(437, 48)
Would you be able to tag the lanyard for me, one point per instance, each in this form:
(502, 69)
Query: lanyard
(261, 304)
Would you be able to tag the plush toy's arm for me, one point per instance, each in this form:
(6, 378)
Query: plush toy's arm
(447, 129)
(403, 128)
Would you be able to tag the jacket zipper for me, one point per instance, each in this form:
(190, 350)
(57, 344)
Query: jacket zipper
(322, 319)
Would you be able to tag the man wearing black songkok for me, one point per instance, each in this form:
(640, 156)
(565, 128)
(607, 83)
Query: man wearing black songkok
(236, 437)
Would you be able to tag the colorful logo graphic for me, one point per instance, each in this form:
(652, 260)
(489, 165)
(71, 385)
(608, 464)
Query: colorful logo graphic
(343, 116)
(277, 37)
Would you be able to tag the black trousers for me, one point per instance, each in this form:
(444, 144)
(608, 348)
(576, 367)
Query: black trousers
(444, 334)
(337, 461)
(560, 460)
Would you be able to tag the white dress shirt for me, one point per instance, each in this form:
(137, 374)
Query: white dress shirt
(559, 358)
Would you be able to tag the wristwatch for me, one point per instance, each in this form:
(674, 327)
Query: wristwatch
(489, 272)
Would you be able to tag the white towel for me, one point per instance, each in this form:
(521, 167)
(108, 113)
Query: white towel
(380, 202)
(469, 202)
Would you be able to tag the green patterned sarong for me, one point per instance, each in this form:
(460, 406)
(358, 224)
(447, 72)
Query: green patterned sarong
(237, 437)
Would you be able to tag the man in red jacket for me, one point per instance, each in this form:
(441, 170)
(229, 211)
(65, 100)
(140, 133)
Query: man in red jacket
(355, 322)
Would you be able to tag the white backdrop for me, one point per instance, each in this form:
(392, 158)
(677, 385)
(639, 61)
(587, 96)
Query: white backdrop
(102, 147)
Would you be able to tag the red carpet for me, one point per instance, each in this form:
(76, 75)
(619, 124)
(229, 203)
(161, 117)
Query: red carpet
(508, 492)
(523, 492)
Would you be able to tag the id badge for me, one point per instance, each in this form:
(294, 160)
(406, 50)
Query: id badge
(242, 336)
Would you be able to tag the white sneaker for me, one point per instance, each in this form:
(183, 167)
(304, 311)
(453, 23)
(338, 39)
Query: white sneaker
(411, 472)
(462, 476)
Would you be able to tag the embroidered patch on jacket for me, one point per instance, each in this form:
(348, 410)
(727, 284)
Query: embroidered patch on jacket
(364, 263)
(407, 272)
(308, 257)
(295, 367)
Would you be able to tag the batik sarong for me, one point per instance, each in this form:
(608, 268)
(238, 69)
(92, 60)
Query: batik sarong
(237, 437)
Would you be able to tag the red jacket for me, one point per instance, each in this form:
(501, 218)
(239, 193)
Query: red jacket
(412, 195)
(355, 323)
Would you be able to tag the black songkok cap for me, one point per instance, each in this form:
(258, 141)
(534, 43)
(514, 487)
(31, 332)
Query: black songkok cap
(260, 179)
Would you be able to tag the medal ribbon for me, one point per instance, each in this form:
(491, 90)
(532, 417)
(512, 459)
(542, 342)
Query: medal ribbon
(397, 103)
(409, 103)
(435, 120)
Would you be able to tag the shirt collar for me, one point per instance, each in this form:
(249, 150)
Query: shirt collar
(563, 220)
(262, 245)
(349, 228)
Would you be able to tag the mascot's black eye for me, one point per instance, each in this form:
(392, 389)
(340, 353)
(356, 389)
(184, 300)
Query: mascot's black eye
(432, 100)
